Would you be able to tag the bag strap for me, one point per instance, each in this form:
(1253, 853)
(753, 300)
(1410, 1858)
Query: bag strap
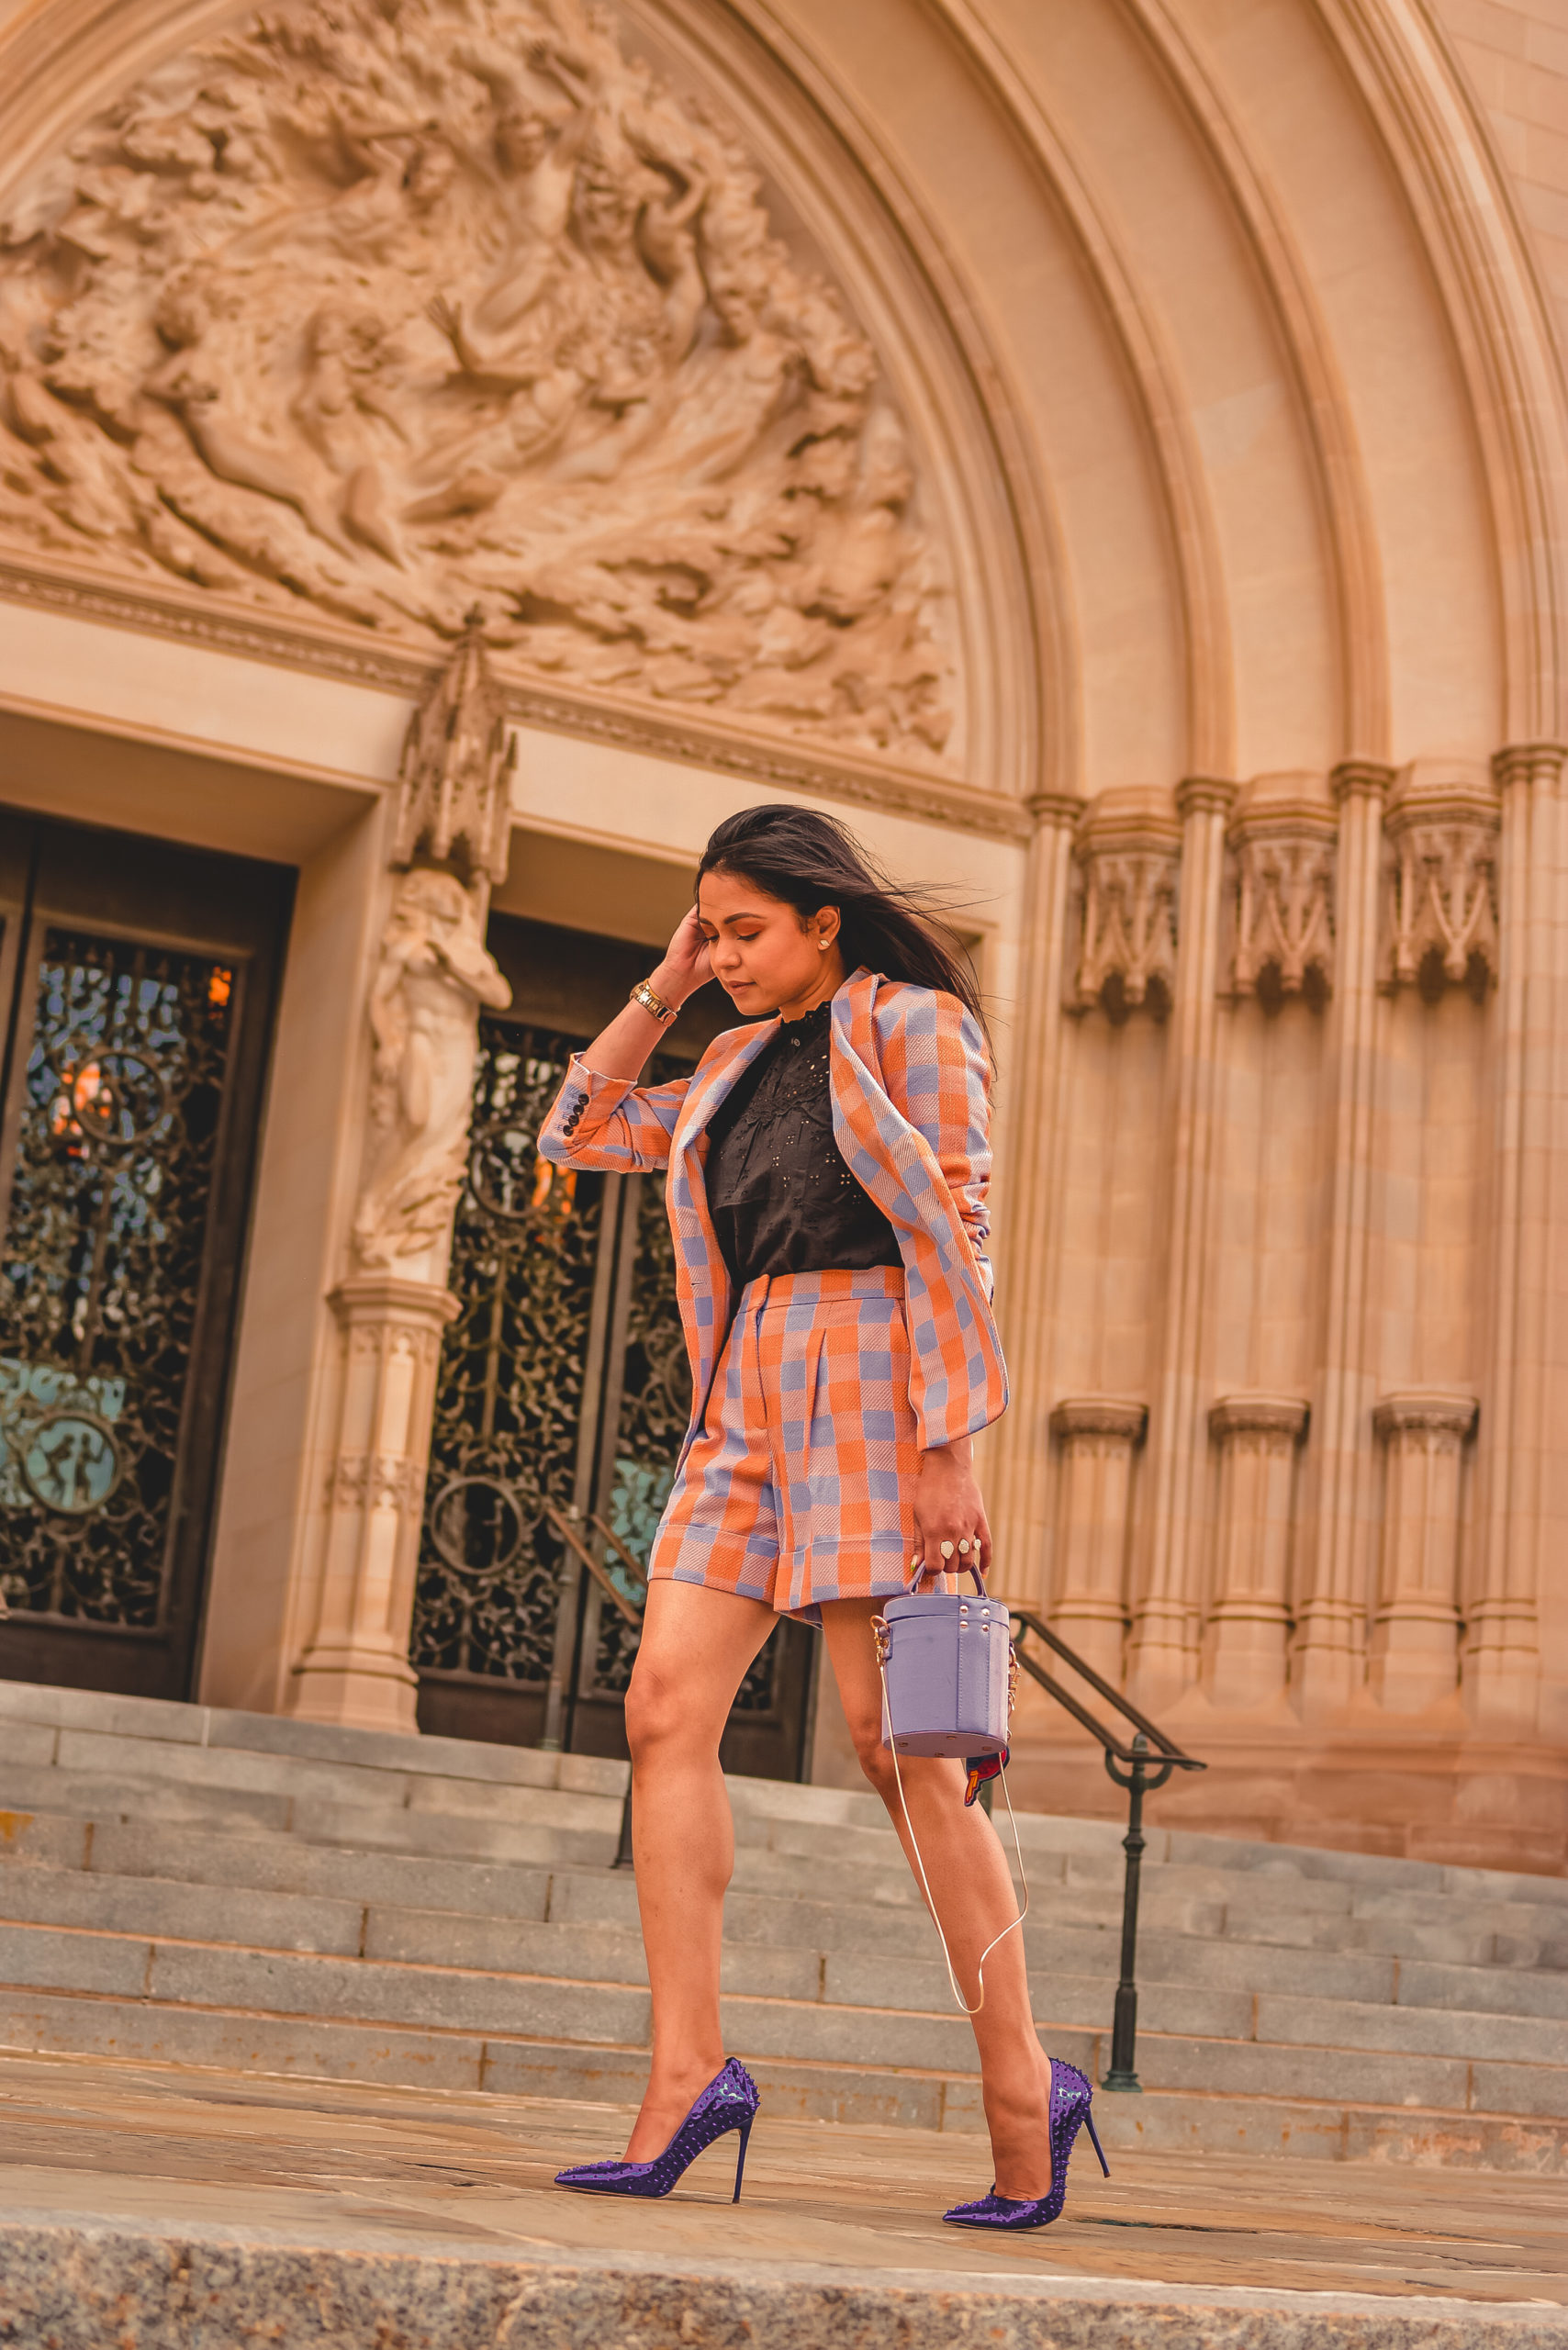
(925, 1887)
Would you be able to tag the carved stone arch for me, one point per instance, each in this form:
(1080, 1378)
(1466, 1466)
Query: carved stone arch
(913, 589)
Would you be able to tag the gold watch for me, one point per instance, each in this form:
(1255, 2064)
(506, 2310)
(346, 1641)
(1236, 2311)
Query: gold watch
(644, 994)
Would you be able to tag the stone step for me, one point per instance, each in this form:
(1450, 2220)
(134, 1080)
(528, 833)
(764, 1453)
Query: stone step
(783, 2005)
(1511, 1934)
(468, 2046)
(239, 1889)
(229, 1756)
(1185, 2121)
(231, 1889)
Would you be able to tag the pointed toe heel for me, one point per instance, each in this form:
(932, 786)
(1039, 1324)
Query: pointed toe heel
(1070, 2099)
(728, 2102)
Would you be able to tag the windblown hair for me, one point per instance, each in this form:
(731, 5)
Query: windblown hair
(810, 860)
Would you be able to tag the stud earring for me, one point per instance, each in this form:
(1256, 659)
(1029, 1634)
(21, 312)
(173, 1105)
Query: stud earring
(821, 945)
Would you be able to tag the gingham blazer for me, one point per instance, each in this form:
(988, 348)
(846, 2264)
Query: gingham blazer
(910, 1076)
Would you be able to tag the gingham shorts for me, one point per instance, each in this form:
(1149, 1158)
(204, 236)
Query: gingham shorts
(799, 1485)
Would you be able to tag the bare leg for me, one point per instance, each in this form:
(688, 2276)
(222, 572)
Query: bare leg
(972, 1890)
(695, 1649)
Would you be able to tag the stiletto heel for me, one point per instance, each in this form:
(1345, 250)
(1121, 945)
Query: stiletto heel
(728, 2102)
(1094, 2142)
(1070, 2098)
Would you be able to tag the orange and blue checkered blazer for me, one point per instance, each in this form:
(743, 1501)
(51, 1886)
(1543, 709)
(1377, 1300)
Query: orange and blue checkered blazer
(910, 1076)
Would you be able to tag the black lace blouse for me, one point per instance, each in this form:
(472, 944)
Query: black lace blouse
(781, 1196)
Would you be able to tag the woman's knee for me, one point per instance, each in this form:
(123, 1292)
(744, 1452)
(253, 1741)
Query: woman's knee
(661, 1718)
(875, 1759)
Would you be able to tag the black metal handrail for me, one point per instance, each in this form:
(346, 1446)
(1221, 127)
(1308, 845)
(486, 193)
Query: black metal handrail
(1150, 1757)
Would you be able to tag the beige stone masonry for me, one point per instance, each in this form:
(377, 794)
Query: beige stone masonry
(1328, 1662)
(1167, 1597)
(1099, 1435)
(1414, 1640)
(1246, 1636)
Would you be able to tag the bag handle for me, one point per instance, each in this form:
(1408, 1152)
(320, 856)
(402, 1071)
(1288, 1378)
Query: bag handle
(940, 1573)
(880, 1636)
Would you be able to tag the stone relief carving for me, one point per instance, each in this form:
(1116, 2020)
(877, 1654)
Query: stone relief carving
(1440, 920)
(373, 1480)
(1126, 930)
(1283, 914)
(404, 307)
(454, 802)
(432, 976)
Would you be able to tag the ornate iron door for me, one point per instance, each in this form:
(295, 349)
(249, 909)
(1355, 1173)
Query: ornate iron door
(564, 1395)
(138, 985)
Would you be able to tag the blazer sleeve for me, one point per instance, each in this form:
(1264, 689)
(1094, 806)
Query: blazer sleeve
(609, 1123)
(936, 1067)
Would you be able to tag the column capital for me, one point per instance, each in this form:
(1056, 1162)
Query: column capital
(1431, 1411)
(1062, 809)
(1527, 762)
(1114, 1416)
(389, 1297)
(1367, 779)
(1279, 1416)
(1202, 795)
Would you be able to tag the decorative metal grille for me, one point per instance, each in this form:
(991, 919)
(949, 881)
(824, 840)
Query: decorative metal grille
(504, 1439)
(101, 1269)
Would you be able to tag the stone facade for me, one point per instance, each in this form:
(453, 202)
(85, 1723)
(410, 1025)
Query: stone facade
(1116, 454)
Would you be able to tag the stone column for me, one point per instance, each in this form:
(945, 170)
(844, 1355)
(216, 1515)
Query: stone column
(1163, 1654)
(1415, 1642)
(1017, 1479)
(431, 975)
(1088, 1604)
(1526, 1388)
(356, 1668)
(1330, 1618)
(1249, 1627)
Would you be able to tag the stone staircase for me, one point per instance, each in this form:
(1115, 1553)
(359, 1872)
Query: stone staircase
(229, 1889)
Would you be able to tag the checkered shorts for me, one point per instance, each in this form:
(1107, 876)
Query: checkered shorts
(799, 1485)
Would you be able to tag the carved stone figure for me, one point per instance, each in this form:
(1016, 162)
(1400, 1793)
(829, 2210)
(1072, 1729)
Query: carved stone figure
(406, 309)
(434, 975)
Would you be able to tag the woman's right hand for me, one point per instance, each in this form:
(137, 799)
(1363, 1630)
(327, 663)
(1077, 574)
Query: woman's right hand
(686, 965)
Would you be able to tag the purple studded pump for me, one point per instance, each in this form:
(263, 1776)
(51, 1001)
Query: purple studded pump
(1070, 2098)
(728, 2102)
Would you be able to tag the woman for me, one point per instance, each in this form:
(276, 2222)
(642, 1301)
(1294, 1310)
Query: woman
(828, 1164)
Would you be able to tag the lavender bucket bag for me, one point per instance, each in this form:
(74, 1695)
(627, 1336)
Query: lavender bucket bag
(948, 1672)
(948, 1675)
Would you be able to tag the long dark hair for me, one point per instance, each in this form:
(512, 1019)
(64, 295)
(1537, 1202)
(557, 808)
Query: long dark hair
(810, 860)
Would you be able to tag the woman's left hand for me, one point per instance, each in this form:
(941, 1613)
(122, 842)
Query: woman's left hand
(948, 1509)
